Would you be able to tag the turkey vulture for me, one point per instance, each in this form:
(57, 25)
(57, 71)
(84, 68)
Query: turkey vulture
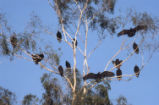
(99, 75)
(136, 48)
(74, 41)
(119, 74)
(59, 36)
(60, 68)
(13, 41)
(131, 32)
(117, 63)
(37, 58)
(136, 70)
(68, 65)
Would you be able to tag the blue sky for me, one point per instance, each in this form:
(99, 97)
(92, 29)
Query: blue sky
(23, 77)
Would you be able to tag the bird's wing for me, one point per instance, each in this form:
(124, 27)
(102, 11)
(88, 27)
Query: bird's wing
(125, 31)
(140, 27)
(107, 74)
(90, 76)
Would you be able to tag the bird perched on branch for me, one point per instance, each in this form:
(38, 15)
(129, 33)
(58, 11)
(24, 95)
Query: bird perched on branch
(59, 36)
(131, 32)
(117, 63)
(37, 58)
(74, 41)
(99, 75)
(68, 66)
(60, 68)
(136, 71)
(119, 74)
(13, 41)
(136, 48)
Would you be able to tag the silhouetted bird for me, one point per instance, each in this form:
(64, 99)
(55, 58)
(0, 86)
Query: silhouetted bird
(136, 71)
(74, 41)
(117, 63)
(140, 27)
(13, 41)
(68, 65)
(131, 32)
(107, 74)
(60, 68)
(99, 75)
(37, 58)
(59, 36)
(119, 74)
(136, 48)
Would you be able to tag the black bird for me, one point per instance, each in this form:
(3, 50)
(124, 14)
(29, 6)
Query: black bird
(13, 41)
(68, 65)
(140, 27)
(107, 74)
(60, 68)
(119, 74)
(131, 32)
(135, 48)
(74, 41)
(99, 75)
(117, 63)
(59, 36)
(37, 58)
(136, 71)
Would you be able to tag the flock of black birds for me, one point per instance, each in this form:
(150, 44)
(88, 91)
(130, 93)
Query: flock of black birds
(61, 70)
(131, 32)
(117, 63)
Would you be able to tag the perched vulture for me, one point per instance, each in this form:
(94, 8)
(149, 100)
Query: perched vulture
(68, 65)
(59, 36)
(136, 70)
(13, 41)
(37, 58)
(117, 63)
(99, 75)
(60, 68)
(119, 74)
(131, 32)
(74, 41)
(136, 48)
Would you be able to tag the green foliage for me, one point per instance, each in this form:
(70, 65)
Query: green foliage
(30, 100)
(122, 101)
(4, 46)
(7, 97)
(53, 92)
(98, 10)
